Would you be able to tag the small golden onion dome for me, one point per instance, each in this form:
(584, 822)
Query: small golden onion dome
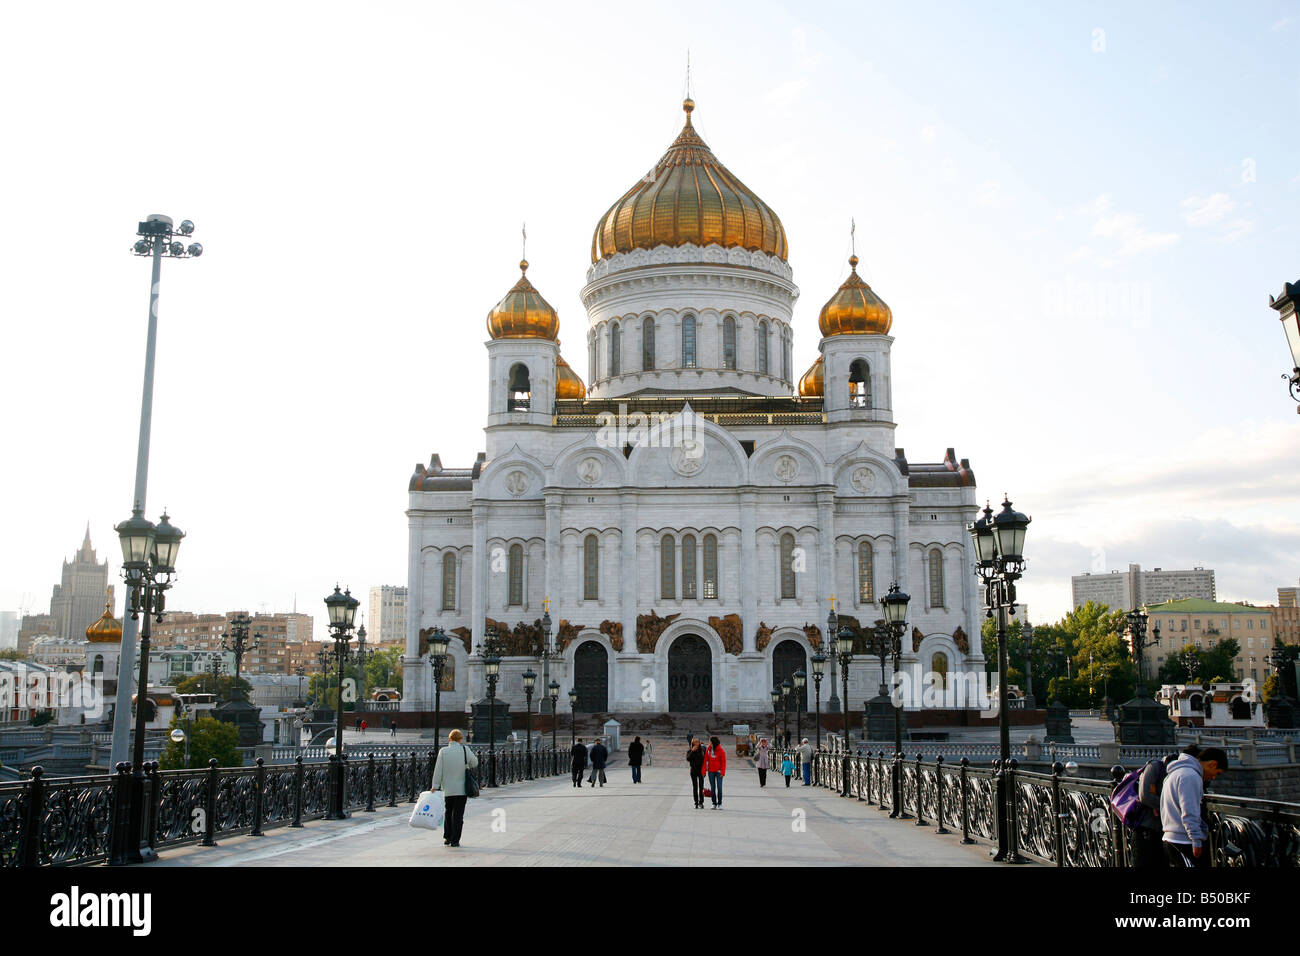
(854, 309)
(106, 630)
(813, 383)
(567, 383)
(689, 198)
(523, 313)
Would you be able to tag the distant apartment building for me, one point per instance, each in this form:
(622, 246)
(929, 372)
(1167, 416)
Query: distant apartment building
(1202, 624)
(304, 654)
(34, 626)
(1124, 590)
(78, 598)
(1288, 597)
(387, 620)
(1286, 623)
(267, 652)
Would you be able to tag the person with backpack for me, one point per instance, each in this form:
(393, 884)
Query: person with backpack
(1136, 801)
(453, 763)
(1181, 794)
(599, 754)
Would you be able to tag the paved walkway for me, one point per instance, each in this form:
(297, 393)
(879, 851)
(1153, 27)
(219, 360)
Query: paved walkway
(549, 823)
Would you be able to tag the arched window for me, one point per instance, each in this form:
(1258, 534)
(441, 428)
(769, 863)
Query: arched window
(785, 358)
(449, 581)
(648, 343)
(859, 384)
(615, 349)
(710, 567)
(516, 575)
(787, 566)
(668, 568)
(590, 568)
(939, 667)
(762, 348)
(688, 342)
(866, 574)
(936, 578)
(688, 567)
(520, 393)
(729, 342)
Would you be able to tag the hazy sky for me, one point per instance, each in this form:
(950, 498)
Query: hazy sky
(1077, 216)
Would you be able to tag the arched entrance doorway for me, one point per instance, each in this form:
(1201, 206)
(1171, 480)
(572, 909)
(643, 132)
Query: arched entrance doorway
(788, 657)
(591, 678)
(690, 675)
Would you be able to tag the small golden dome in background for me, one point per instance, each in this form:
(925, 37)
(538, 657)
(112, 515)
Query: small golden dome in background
(106, 630)
(689, 198)
(523, 313)
(854, 309)
(813, 383)
(567, 383)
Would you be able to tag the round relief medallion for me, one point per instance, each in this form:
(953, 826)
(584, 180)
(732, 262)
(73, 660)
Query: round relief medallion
(785, 468)
(589, 470)
(516, 483)
(687, 457)
(864, 479)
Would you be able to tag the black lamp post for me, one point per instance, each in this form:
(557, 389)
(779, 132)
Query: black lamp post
(239, 642)
(438, 644)
(785, 709)
(1027, 632)
(818, 666)
(844, 651)
(342, 609)
(890, 639)
(148, 563)
(1281, 711)
(1136, 620)
(360, 657)
(573, 716)
(999, 543)
(1285, 306)
(554, 688)
(832, 629)
(548, 651)
(530, 680)
(800, 690)
(492, 667)
(300, 672)
(776, 701)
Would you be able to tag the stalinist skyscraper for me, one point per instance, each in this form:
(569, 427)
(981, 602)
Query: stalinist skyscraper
(78, 601)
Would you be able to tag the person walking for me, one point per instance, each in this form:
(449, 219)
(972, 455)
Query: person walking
(635, 753)
(787, 767)
(805, 761)
(1181, 794)
(715, 765)
(762, 760)
(392, 727)
(449, 777)
(695, 758)
(363, 726)
(578, 761)
(598, 757)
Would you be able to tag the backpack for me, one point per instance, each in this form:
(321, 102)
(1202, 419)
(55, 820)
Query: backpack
(1126, 800)
(1152, 779)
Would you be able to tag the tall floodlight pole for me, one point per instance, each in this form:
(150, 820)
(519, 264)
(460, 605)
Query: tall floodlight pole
(156, 240)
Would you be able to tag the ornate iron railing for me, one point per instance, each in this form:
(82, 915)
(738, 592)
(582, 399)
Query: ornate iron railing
(1056, 819)
(73, 820)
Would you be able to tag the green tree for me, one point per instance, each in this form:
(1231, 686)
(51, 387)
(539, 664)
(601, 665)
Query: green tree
(1291, 652)
(384, 669)
(12, 654)
(207, 683)
(209, 738)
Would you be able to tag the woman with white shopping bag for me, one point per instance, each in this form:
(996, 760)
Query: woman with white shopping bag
(454, 761)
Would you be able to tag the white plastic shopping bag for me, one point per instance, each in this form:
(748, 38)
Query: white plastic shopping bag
(428, 811)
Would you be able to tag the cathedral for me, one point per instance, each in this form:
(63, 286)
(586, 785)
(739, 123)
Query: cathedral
(688, 518)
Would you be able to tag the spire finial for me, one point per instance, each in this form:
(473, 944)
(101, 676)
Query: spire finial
(853, 244)
(523, 250)
(688, 104)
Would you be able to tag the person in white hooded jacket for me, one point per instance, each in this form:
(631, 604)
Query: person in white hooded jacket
(1185, 832)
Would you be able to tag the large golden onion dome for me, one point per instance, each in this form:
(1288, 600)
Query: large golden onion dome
(692, 198)
(523, 313)
(106, 630)
(813, 383)
(854, 309)
(567, 383)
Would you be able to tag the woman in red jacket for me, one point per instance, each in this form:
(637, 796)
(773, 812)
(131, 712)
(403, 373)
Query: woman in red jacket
(715, 765)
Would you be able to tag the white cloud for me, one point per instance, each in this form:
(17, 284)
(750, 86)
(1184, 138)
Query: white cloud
(988, 194)
(784, 94)
(1213, 212)
(929, 133)
(1124, 227)
(1282, 24)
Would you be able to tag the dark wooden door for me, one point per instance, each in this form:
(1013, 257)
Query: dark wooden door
(591, 678)
(787, 658)
(690, 675)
